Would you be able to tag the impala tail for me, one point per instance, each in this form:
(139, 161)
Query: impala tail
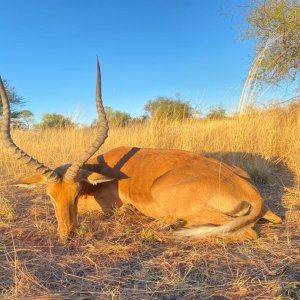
(236, 227)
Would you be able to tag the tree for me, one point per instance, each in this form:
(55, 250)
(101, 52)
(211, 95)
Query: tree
(117, 118)
(275, 25)
(139, 120)
(55, 121)
(216, 112)
(23, 119)
(169, 108)
(13, 98)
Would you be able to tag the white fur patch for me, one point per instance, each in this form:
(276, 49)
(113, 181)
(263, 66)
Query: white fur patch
(204, 231)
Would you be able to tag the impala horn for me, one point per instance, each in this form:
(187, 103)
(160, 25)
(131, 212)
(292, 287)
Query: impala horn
(8, 142)
(101, 136)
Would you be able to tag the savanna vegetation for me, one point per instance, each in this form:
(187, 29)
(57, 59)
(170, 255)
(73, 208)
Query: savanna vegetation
(129, 256)
(275, 26)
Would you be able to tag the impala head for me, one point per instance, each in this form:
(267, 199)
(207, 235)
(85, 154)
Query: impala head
(64, 183)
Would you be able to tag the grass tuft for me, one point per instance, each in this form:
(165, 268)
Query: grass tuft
(7, 213)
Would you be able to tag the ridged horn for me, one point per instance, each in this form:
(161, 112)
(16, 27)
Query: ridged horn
(102, 132)
(9, 143)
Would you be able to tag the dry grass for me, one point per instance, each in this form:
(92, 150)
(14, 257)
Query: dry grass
(6, 213)
(129, 256)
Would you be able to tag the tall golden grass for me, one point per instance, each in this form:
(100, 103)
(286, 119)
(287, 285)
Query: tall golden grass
(271, 134)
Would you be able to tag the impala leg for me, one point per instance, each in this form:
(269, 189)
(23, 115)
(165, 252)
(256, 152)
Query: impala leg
(244, 234)
(208, 216)
(128, 208)
(211, 217)
(270, 216)
(179, 223)
(214, 217)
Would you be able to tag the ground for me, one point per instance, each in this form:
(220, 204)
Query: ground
(129, 256)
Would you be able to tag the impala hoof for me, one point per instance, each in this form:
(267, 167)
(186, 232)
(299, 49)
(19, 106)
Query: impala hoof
(66, 236)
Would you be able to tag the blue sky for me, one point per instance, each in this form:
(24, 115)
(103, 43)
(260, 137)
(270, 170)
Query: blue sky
(147, 48)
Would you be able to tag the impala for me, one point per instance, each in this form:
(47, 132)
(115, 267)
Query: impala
(211, 198)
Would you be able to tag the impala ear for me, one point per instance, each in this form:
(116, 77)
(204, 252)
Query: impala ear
(30, 181)
(93, 177)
